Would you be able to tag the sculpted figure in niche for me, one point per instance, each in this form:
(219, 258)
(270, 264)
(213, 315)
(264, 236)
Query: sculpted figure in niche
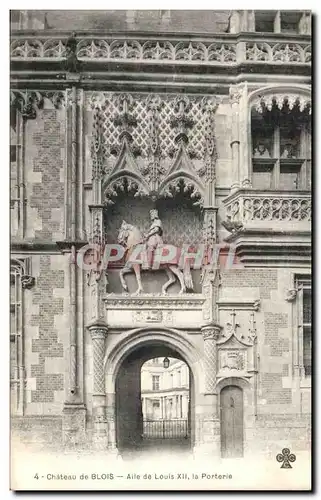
(261, 151)
(153, 238)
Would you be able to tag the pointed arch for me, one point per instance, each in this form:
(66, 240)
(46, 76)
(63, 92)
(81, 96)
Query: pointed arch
(126, 171)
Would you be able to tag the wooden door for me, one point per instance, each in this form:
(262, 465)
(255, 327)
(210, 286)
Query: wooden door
(231, 422)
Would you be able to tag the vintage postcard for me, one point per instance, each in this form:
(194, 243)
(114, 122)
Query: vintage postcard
(160, 274)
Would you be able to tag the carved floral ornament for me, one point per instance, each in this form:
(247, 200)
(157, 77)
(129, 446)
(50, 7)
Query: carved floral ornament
(282, 101)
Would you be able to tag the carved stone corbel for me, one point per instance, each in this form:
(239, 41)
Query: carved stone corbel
(290, 295)
(27, 281)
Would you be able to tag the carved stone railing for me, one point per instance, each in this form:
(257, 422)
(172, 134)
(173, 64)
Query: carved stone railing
(281, 52)
(253, 208)
(223, 49)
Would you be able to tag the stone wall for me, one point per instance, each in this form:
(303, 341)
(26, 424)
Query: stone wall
(129, 20)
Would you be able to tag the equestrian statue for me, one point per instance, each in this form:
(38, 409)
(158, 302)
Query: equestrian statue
(130, 236)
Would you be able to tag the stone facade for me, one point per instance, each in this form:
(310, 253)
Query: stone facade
(169, 126)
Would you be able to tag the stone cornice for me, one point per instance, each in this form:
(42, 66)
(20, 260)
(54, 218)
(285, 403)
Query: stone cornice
(41, 246)
(116, 77)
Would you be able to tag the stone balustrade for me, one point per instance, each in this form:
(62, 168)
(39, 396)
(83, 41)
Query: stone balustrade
(250, 206)
(223, 49)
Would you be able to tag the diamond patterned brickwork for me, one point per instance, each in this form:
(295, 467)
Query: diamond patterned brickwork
(264, 279)
(47, 195)
(273, 391)
(47, 344)
(272, 322)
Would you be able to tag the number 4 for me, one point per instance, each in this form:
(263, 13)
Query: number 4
(36, 476)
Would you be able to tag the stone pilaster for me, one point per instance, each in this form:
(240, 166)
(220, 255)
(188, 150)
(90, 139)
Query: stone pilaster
(208, 439)
(98, 330)
(210, 334)
(241, 155)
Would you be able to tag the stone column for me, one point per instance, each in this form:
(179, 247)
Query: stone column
(235, 142)
(208, 439)
(98, 331)
(210, 334)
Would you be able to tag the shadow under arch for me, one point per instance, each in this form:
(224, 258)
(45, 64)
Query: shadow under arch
(123, 365)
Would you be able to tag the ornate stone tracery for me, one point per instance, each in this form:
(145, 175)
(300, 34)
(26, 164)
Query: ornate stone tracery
(282, 101)
(169, 135)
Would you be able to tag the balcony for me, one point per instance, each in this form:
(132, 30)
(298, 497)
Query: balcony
(269, 225)
(134, 53)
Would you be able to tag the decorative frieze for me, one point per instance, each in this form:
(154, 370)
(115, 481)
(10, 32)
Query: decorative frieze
(154, 302)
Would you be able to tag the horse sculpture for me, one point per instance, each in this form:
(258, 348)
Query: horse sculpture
(130, 236)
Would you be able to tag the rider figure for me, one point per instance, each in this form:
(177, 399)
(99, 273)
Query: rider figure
(153, 238)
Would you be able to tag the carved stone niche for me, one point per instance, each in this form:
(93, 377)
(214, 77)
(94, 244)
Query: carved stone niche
(234, 357)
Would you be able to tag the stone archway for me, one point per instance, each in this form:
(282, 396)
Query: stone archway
(128, 409)
(123, 364)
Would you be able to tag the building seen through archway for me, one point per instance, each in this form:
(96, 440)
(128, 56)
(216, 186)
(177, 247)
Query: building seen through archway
(153, 400)
(165, 399)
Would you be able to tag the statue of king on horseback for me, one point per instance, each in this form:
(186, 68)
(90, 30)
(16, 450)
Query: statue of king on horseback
(153, 238)
(130, 236)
